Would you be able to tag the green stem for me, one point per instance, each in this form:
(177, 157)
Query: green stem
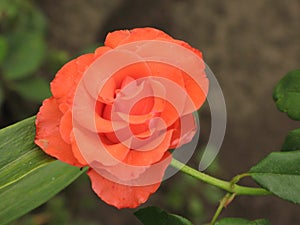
(238, 177)
(225, 185)
(223, 203)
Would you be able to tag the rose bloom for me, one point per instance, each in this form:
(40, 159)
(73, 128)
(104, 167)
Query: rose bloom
(123, 169)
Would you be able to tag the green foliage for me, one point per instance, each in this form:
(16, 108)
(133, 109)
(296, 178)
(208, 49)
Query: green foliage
(28, 177)
(16, 15)
(279, 172)
(22, 48)
(156, 216)
(239, 221)
(16, 143)
(292, 141)
(25, 55)
(36, 88)
(24, 34)
(287, 94)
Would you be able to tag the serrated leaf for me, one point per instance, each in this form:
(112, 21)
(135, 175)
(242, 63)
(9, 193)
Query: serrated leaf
(155, 216)
(287, 94)
(279, 172)
(25, 54)
(28, 177)
(240, 221)
(292, 141)
(34, 89)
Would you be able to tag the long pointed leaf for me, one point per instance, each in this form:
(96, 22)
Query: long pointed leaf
(28, 177)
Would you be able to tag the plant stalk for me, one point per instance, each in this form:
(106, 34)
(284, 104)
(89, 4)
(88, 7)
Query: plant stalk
(225, 185)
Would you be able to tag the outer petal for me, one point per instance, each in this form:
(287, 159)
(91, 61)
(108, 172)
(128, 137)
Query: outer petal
(117, 38)
(118, 195)
(120, 37)
(196, 93)
(124, 196)
(48, 136)
(69, 75)
(64, 85)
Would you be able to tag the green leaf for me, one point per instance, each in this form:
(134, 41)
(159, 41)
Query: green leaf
(35, 89)
(36, 21)
(292, 141)
(287, 94)
(239, 221)
(155, 216)
(28, 177)
(279, 172)
(25, 55)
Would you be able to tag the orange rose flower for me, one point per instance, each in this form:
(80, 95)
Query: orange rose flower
(121, 109)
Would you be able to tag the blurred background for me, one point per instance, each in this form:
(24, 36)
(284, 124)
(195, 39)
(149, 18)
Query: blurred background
(249, 45)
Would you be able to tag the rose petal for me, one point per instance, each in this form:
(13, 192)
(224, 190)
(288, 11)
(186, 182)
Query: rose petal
(83, 115)
(134, 175)
(123, 172)
(107, 94)
(186, 45)
(76, 152)
(120, 37)
(69, 75)
(94, 147)
(129, 196)
(118, 195)
(185, 129)
(65, 127)
(144, 158)
(48, 136)
(197, 94)
(117, 38)
(117, 65)
(120, 173)
(101, 50)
